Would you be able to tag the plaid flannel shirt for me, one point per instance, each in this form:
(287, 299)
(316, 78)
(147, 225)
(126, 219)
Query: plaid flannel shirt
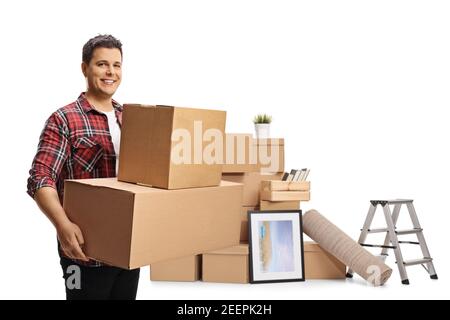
(74, 144)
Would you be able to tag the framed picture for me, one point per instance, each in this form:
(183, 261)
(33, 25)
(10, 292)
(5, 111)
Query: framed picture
(276, 246)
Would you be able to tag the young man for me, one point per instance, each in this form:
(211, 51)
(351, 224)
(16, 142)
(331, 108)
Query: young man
(81, 140)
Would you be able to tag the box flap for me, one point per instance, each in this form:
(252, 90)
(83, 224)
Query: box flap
(311, 246)
(113, 183)
(139, 105)
(241, 249)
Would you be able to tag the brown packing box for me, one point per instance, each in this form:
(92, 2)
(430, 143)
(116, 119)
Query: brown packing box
(277, 185)
(240, 154)
(181, 269)
(148, 155)
(130, 226)
(228, 265)
(244, 222)
(252, 184)
(270, 154)
(279, 205)
(319, 264)
(285, 195)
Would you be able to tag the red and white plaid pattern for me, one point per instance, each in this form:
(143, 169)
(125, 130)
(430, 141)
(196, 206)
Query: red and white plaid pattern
(74, 144)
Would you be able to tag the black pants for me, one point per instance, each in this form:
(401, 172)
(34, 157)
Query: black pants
(98, 283)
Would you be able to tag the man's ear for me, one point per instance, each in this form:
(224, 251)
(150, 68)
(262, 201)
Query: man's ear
(83, 68)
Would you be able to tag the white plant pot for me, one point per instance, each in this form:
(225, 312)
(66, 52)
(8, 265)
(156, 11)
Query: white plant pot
(262, 130)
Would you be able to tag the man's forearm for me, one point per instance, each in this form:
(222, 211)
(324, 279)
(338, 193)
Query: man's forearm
(48, 201)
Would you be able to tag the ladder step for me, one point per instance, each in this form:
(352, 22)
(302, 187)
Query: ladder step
(400, 233)
(408, 242)
(377, 246)
(411, 231)
(400, 201)
(417, 261)
(377, 230)
(395, 201)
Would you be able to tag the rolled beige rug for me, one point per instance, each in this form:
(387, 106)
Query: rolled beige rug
(345, 249)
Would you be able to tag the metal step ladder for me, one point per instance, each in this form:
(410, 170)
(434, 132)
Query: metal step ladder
(391, 240)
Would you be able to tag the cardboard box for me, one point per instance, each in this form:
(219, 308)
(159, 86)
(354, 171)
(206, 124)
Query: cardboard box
(181, 269)
(252, 184)
(270, 154)
(130, 226)
(285, 195)
(277, 185)
(240, 154)
(166, 147)
(319, 264)
(228, 265)
(244, 222)
(279, 205)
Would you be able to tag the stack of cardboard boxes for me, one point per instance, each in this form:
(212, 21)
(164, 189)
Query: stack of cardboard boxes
(250, 166)
(168, 201)
(175, 207)
(262, 189)
(247, 162)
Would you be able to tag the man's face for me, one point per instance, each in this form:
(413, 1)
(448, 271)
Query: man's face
(104, 72)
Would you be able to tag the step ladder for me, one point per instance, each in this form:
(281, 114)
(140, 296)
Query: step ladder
(391, 240)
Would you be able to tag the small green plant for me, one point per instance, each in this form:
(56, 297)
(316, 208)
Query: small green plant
(262, 118)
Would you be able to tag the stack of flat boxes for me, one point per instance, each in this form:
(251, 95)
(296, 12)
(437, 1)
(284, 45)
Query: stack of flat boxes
(163, 205)
(283, 195)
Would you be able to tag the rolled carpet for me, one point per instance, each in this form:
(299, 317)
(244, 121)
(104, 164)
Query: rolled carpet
(345, 249)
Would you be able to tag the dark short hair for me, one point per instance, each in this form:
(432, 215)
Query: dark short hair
(100, 41)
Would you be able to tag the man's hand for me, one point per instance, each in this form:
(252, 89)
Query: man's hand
(71, 240)
(69, 234)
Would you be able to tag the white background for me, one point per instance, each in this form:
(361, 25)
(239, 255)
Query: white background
(359, 90)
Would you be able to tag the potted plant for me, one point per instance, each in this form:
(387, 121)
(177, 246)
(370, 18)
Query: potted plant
(262, 126)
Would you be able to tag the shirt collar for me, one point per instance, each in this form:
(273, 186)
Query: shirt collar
(87, 107)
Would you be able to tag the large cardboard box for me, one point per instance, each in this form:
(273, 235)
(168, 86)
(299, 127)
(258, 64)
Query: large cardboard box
(181, 269)
(171, 147)
(229, 265)
(252, 184)
(244, 221)
(319, 264)
(279, 205)
(130, 226)
(240, 154)
(270, 154)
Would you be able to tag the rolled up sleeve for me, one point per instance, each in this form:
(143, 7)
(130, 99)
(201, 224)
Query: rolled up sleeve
(53, 150)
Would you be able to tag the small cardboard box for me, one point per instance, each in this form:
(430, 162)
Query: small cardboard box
(181, 269)
(129, 226)
(285, 195)
(270, 154)
(168, 147)
(319, 264)
(228, 265)
(244, 222)
(252, 184)
(279, 205)
(240, 154)
(277, 185)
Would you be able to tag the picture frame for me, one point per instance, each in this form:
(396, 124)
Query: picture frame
(276, 251)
